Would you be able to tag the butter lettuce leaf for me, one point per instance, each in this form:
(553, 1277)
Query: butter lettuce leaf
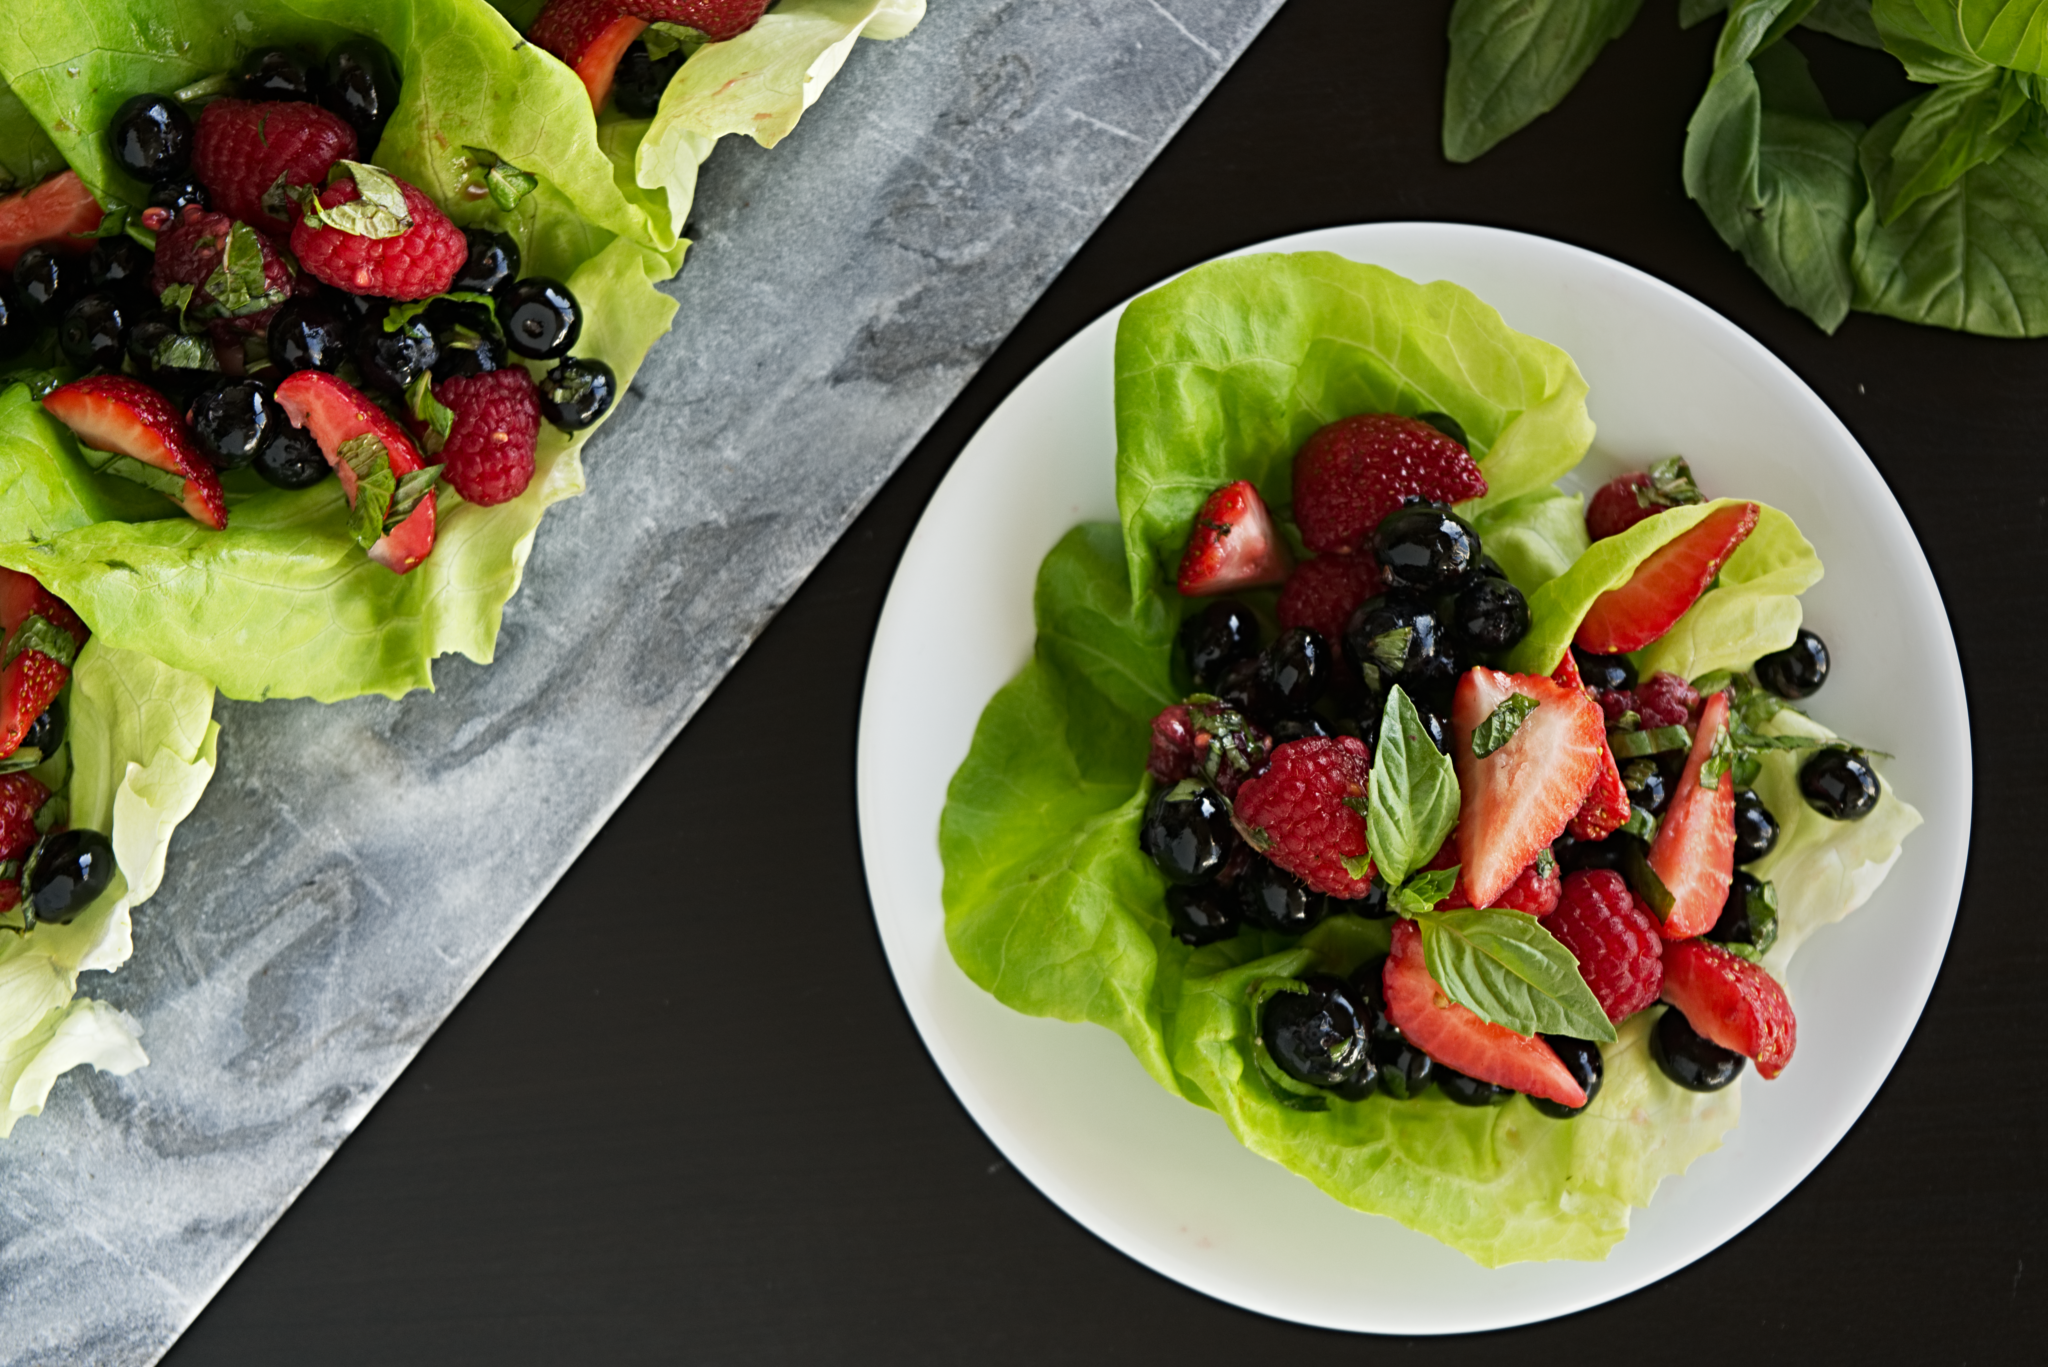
(1536, 537)
(1752, 610)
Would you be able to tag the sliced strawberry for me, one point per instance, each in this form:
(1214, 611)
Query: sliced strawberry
(1233, 545)
(29, 684)
(21, 598)
(1456, 1037)
(1666, 584)
(127, 417)
(1732, 1002)
(589, 36)
(336, 413)
(1694, 852)
(1516, 800)
(1606, 808)
(59, 213)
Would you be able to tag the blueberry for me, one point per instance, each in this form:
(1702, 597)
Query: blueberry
(291, 459)
(147, 334)
(46, 732)
(1273, 899)
(1399, 638)
(1734, 926)
(17, 323)
(467, 338)
(280, 73)
(1690, 1059)
(1839, 784)
(176, 195)
(308, 333)
(1372, 906)
(66, 873)
(1491, 615)
(1470, 1091)
(151, 138)
(392, 360)
(640, 79)
(1647, 784)
(1446, 424)
(1215, 638)
(1295, 671)
(1756, 830)
(1369, 994)
(1315, 1036)
(1201, 914)
(1405, 1071)
(577, 392)
(1187, 832)
(1425, 547)
(120, 265)
(1297, 728)
(1797, 670)
(1574, 855)
(46, 283)
(493, 260)
(540, 317)
(1433, 726)
(234, 420)
(1605, 671)
(357, 308)
(360, 84)
(94, 333)
(1581, 1058)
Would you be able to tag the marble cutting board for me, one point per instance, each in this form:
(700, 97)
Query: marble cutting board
(319, 919)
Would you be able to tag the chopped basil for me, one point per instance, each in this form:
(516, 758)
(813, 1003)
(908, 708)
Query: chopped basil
(1501, 724)
(1658, 740)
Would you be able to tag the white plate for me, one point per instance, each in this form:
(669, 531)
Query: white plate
(1163, 1180)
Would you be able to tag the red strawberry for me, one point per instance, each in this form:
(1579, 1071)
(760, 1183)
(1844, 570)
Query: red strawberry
(1516, 800)
(1298, 812)
(416, 264)
(1627, 500)
(29, 684)
(1322, 594)
(127, 417)
(21, 797)
(1665, 584)
(1732, 1002)
(1349, 475)
(21, 598)
(242, 149)
(1233, 545)
(1456, 1037)
(1535, 889)
(717, 20)
(1614, 938)
(589, 36)
(1694, 852)
(57, 213)
(335, 413)
(236, 275)
(1606, 807)
(488, 453)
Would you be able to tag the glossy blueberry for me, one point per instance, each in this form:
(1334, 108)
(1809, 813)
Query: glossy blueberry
(1490, 614)
(175, 194)
(280, 73)
(1297, 728)
(467, 338)
(1756, 830)
(1399, 638)
(147, 335)
(46, 732)
(151, 138)
(47, 282)
(94, 333)
(1405, 1071)
(1797, 670)
(1446, 424)
(577, 392)
(1649, 788)
(493, 260)
(1369, 994)
(1605, 671)
(1273, 899)
(1581, 1058)
(1371, 907)
(1470, 1091)
(356, 308)
(1215, 638)
(1315, 1036)
(1574, 854)
(234, 420)
(1364, 1080)
(392, 360)
(1187, 832)
(1433, 725)
(1734, 927)
(541, 319)
(640, 79)
(1839, 784)
(17, 322)
(291, 459)
(1295, 671)
(1201, 914)
(67, 871)
(1690, 1059)
(120, 265)
(360, 84)
(1425, 547)
(308, 333)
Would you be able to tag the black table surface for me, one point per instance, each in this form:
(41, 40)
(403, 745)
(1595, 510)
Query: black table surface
(685, 1117)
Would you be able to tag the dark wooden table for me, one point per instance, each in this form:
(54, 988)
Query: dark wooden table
(685, 1119)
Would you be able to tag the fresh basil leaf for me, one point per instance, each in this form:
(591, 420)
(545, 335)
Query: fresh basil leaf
(1505, 967)
(1671, 485)
(1641, 824)
(177, 297)
(366, 457)
(185, 351)
(1513, 60)
(1501, 724)
(1646, 882)
(1422, 892)
(1720, 758)
(135, 472)
(1752, 27)
(664, 38)
(1713, 682)
(438, 416)
(1411, 796)
(1691, 12)
(1763, 917)
(238, 286)
(508, 185)
(1656, 741)
(398, 315)
(1953, 127)
(378, 210)
(1849, 20)
(1384, 656)
(24, 757)
(39, 633)
(410, 493)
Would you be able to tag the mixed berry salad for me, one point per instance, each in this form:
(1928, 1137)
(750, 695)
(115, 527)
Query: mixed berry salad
(1442, 829)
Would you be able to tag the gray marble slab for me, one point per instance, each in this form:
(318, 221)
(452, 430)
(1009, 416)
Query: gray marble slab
(325, 910)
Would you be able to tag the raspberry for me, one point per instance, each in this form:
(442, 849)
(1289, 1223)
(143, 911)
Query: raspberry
(1349, 475)
(191, 251)
(241, 149)
(1322, 594)
(1614, 702)
(1614, 938)
(1664, 699)
(1298, 813)
(21, 797)
(488, 455)
(1206, 738)
(1616, 508)
(417, 264)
